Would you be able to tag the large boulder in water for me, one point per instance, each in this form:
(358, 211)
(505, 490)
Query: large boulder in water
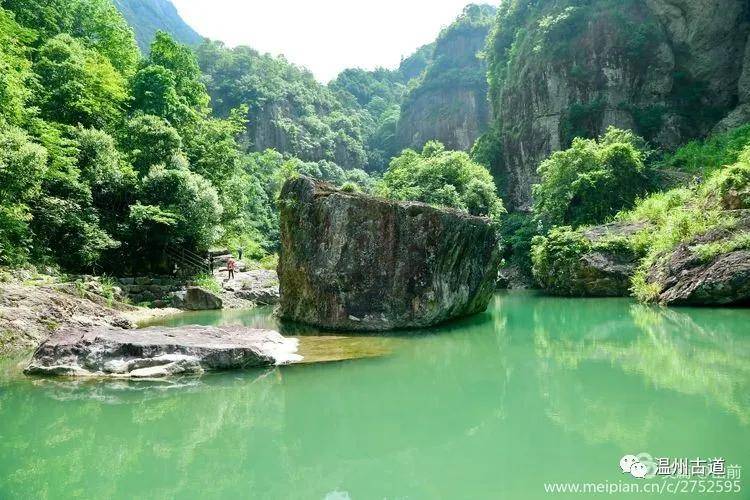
(158, 352)
(200, 299)
(350, 261)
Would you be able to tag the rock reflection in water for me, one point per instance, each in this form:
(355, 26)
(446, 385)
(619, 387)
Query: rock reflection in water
(325, 349)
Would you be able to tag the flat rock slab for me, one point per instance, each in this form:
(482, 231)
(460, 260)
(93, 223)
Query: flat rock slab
(158, 352)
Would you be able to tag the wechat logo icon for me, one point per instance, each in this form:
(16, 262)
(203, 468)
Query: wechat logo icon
(639, 466)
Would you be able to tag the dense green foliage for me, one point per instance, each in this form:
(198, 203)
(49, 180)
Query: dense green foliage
(683, 213)
(669, 218)
(109, 158)
(517, 231)
(592, 180)
(443, 178)
(703, 157)
(555, 259)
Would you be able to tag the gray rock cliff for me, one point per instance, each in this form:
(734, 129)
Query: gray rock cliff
(672, 70)
(450, 103)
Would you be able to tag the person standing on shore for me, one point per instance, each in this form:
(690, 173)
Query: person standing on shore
(239, 253)
(230, 267)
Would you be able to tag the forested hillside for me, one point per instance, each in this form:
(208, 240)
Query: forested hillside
(448, 102)
(355, 120)
(351, 122)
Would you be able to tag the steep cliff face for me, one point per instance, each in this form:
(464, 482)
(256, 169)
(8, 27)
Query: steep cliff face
(450, 103)
(146, 17)
(454, 116)
(669, 69)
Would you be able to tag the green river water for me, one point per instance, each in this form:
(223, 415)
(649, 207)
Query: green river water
(536, 390)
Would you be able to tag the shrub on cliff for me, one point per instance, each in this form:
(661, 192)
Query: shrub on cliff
(703, 157)
(681, 214)
(597, 261)
(444, 178)
(591, 181)
(555, 259)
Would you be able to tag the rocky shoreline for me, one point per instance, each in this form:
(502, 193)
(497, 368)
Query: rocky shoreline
(34, 306)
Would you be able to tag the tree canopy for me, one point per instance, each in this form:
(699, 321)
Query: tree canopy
(592, 180)
(443, 178)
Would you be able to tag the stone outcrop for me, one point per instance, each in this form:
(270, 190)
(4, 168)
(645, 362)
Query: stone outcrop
(685, 277)
(668, 69)
(455, 116)
(250, 288)
(354, 262)
(158, 352)
(593, 262)
(606, 270)
(31, 308)
(200, 299)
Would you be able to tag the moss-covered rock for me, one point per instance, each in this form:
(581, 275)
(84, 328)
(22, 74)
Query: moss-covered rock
(711, 269)
(597, 262)
(355, 262)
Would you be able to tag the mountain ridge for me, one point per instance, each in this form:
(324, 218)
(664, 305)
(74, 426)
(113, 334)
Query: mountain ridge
(146, 17)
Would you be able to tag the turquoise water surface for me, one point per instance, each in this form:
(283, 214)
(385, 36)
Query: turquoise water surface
(536, 390)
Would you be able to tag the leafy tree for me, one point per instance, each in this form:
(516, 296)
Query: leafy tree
(149, 140)
(154, 91)
(188, 199)
(111, 180)
(66, 223)
(592, 180)
(212, 149)
(78, 85)
(101, 26)
(47, 17)
(97, 24)
(446, 178)
(15, 69)
(169, 85)
(22, 166)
